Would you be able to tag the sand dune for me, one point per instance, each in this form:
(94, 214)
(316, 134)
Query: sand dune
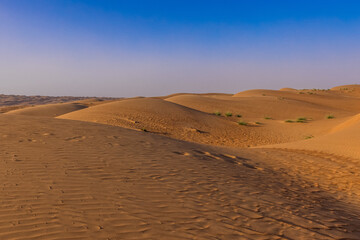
(180, 122)
(352, 122)
(76, 180)
(343, 140)
(273, 112)
(5, 109)
(319, 98)
(54, 110)
(165, 118)
(276, 104)
(287, 89)
(154, 168)
(354, 86)
(49, 110)
(352, 90)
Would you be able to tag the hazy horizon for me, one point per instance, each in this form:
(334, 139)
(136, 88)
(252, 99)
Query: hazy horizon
(137, 48)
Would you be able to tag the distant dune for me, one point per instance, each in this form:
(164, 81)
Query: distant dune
(352, 90)
(287, 89)
(54, 110)
(10, 100)
(49, 110)
(259, 164)
(347, 87)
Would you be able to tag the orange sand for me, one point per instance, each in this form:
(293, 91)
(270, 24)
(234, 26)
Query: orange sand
(168, 168)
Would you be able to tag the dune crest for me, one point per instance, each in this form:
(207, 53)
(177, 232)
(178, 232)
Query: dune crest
(287, 89)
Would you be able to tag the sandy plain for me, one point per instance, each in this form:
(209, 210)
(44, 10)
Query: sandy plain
(284, 165)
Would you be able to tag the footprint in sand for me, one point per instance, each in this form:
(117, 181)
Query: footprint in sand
(75, 139)
(15, 158)
(225, 157)
(182, 153)
(47, 134)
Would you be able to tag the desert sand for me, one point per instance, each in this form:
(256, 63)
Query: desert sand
(259, 164)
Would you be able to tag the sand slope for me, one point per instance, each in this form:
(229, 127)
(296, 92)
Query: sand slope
(49, 110)
(180, 122)
(317, 98)
(64, 179)
(343, 140)
(352, 90)
(280, 105)
(169, 119)
(53, 110)
(285, 106)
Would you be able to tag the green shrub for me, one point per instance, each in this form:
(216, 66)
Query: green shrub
(217, 113)
(330, 116)
(242, 123)
(228, 114)
(238, 115)
(301, 120)
(289, 121)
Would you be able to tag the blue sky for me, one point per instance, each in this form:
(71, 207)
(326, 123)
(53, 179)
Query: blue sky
(149, 48)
